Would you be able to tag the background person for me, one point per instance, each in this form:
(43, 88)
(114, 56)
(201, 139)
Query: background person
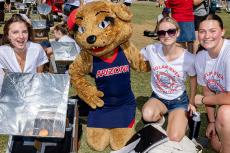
(182, 12)
(60, 35)
(170, 65)
(213, 74)
(70, 5)
(227, 5)
(201, 9)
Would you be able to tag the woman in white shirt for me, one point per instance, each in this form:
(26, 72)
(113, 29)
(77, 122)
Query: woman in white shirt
(19, 54)
(171, 65)
(213, 74)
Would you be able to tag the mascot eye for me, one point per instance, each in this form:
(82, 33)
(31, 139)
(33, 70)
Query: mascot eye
(80, 29)
(104, 24)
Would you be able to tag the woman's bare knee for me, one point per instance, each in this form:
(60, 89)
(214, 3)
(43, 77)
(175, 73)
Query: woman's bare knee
(223, 119)
(151, 111)
(175, 136)
(149, 115)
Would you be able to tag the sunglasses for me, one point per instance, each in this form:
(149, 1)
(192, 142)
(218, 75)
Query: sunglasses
(170, 32)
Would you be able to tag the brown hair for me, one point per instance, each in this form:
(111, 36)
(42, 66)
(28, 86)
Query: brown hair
(62, 28)
(170, 20)
(215, 18)
(13, 19)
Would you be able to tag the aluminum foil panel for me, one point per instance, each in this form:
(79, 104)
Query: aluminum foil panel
(34, 104)
(44, 9)
(39, 24)
(29, 1)
(64, 51)
(20, 6)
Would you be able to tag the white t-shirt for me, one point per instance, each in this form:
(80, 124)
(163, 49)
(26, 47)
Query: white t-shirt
(35, 57)
(168, 78)
(66, 38)
(214, 73)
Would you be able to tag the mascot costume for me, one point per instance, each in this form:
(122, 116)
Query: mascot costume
(103, 30)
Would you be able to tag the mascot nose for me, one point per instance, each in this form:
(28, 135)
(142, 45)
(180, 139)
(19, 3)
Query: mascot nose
(91, 39)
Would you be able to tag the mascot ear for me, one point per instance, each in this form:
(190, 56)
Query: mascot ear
(122, 12)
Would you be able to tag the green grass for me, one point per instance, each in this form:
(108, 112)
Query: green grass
(143, 12)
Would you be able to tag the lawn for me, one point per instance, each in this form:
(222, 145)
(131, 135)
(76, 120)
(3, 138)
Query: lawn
(145, 14)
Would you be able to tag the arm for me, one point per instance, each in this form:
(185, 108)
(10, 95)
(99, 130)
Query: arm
(134, 57)
(215, 99)
(40, 69)
(85, 90)
(210, 109)
(193, 86)
(210, 131)
(218, 99)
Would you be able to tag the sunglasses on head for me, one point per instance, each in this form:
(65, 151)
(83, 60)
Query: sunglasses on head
(170, 32)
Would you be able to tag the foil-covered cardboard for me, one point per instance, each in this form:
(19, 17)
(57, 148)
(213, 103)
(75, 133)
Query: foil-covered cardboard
(38, 24)
(64, 51)
(30, 103)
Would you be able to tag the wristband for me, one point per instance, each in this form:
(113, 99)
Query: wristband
(202, 100)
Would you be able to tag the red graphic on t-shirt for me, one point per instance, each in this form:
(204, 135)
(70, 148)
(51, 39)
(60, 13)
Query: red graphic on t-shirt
(215, 85)
(166, 83)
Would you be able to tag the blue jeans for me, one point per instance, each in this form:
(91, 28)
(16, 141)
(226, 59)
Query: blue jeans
(187, 32)
(179, 102)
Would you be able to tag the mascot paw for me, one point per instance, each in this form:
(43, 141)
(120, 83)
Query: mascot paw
(94, 100)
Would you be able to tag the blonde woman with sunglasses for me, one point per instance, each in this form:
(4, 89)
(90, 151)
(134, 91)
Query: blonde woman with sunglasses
(171, 65)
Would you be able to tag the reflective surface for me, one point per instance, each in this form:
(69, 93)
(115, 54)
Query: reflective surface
(64, 51)
(44, 9)
(32, 103)
(38, 24)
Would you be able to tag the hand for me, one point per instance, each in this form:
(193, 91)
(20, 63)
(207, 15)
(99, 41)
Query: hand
(198, 99)
(92, 97)
(95, 101)
(191, 109)
(211, 130)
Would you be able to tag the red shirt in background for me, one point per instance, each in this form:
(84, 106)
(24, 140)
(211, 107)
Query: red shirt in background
(72, 19)
(182, 10)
